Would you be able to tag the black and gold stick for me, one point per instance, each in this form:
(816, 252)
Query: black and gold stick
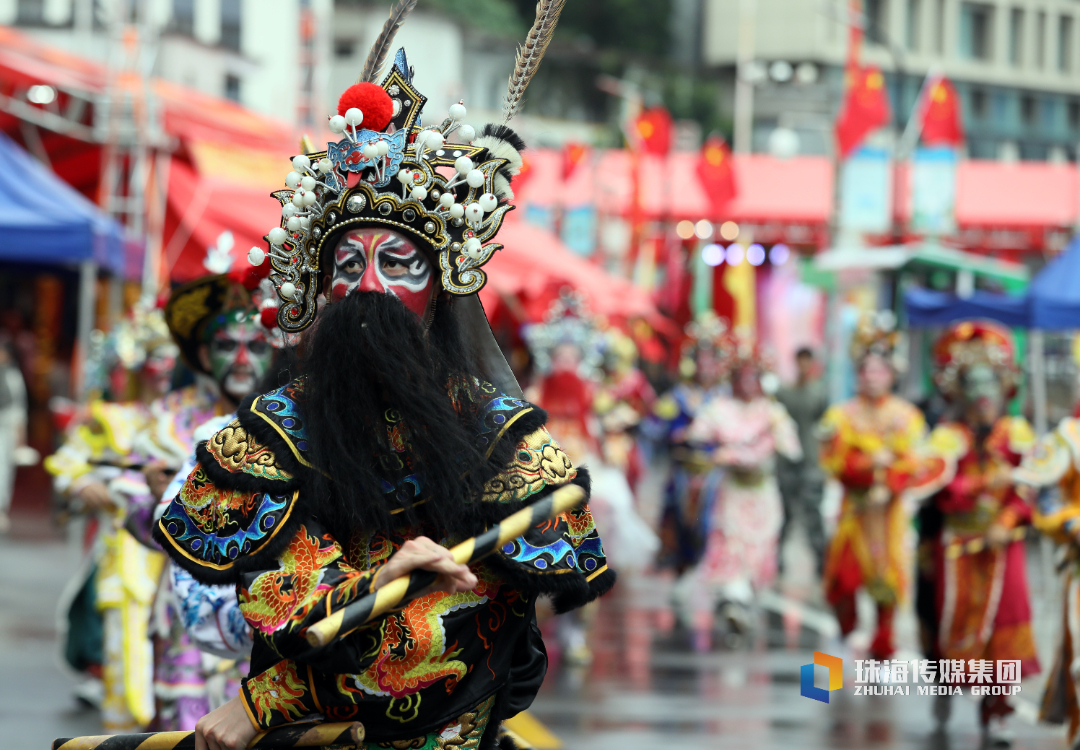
(398, 591)
(279, 738)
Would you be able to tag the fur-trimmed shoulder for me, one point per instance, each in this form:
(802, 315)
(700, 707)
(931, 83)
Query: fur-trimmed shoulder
(564, 557)
(216, 533)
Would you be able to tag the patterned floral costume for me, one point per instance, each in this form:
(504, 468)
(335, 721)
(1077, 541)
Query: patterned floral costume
(867, 549)
(1055, 460)
(741, 546)
(443, 669)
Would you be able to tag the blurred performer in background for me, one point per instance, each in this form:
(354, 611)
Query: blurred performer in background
(1053, 468)
(691, 489)
(983, 609)
(802, 482)
(13, 406)
(624, 398)
(568, 352)
(98, 470)
(868, 444)
(743, 433)
(216, 321)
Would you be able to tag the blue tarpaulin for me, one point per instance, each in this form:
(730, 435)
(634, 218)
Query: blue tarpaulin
(929, 308)
(1051, 303)
(45, 220)
(1054, 293)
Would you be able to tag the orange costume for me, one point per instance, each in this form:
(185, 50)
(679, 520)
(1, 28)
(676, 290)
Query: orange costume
(972, 550)
(868, 547)
(1056, 460)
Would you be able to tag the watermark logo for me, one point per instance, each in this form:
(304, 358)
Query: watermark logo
(835, 666)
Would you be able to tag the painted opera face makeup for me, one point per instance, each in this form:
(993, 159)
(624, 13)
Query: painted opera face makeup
(379, 260)
(238, 353)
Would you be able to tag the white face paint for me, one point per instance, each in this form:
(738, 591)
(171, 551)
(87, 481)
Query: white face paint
(378, 260)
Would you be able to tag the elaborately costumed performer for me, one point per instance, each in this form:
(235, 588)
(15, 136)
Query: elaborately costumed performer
(695, 480)
(1055, 460)
(743, 434)
(406, 432)
(97, 470)
(983, 609)
(868, 445)
(217, 321)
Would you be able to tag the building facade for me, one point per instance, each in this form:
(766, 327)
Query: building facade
(1015, 64)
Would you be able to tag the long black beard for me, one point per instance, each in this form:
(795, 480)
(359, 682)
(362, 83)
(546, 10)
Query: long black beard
(369, 354)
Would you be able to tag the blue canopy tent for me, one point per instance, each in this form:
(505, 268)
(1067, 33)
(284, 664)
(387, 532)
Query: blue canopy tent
(1051, 303)
(45, 220)
(926, 307)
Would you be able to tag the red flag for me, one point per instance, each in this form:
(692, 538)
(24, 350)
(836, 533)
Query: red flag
(652, 131)
(941, 123)
(572, 155)
(714, 170)
(865, 107)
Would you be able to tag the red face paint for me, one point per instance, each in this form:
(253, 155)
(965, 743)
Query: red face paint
(379, 260)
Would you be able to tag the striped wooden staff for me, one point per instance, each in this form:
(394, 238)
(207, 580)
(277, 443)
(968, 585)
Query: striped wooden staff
(279, 738)
(398, 591)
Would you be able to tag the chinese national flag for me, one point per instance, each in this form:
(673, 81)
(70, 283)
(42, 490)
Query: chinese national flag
(865, 107)
(652, 131)
(716, 173)
(572, 155)
(941, 115)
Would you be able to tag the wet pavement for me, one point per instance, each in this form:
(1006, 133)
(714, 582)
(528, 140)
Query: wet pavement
(645, 688)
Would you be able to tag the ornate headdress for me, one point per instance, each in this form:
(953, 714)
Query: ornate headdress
(974, 343)
(567, 321)
(390, 170)
(876, 333)
(134, 338)
(736, 352)
(192, 306)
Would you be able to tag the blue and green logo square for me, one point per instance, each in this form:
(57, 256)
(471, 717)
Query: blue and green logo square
(834, 664)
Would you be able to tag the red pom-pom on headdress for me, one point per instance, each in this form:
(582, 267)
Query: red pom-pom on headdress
(268, 317)
(370, 99)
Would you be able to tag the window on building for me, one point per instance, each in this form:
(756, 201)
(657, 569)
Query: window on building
(913, 25)
(232, 87)
(978, 104)
(976, 31)
(344, 47)
(183, 16)
(877, 14)
(1040, 39)
(30, 12)
(1073, 113)
(1065, 44)
(230, 24)
(1016, 36)
(1028, 111)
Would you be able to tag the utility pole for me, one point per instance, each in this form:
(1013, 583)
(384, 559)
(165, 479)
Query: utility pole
(744, 86)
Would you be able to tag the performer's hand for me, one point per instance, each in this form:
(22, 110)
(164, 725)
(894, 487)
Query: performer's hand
(158, 475)
(95, 496)
(422, 553)
(225, 728)
(997, 536)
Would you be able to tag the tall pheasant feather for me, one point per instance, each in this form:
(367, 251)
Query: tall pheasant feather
(381, 49)
(530, 54)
